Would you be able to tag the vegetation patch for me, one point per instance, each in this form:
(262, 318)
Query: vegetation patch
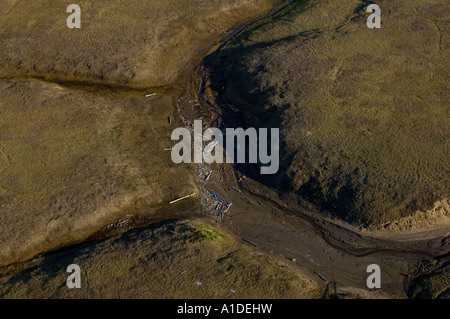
(433, 286)
(204, 232)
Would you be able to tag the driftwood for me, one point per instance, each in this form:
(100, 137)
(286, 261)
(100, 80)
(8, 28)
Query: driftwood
(178, 199)
(248, 241)
(222, 206)
(216, 196)
(228, 207)
(320, 276)
(237, 190)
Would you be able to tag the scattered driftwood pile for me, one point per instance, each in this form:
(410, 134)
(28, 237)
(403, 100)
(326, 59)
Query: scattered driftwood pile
(221, 206)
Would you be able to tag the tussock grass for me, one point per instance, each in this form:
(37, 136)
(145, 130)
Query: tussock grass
(160, 261)
(433, 286)
(363, 113)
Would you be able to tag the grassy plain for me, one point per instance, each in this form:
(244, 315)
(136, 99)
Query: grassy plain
(140, 43)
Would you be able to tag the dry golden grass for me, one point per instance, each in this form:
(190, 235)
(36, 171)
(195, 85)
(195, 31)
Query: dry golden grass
(139, 42)
(73, 161)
